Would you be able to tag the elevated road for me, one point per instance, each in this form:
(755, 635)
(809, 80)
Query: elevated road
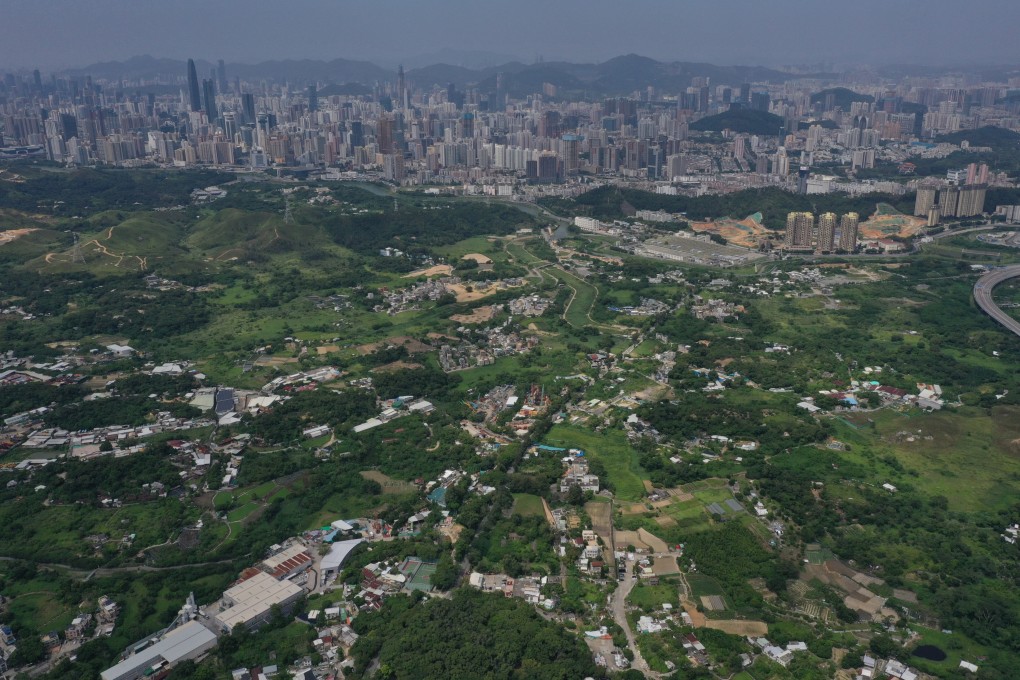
(983, 296)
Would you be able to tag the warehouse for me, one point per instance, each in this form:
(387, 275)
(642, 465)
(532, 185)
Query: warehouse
(288, 562)
(333, 561)
(186, 642)
(249, 602)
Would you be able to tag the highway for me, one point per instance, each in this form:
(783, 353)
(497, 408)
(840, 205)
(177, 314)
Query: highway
(983, 296)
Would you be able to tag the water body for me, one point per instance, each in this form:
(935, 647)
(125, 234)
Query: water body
(561, 231)
(930, 652)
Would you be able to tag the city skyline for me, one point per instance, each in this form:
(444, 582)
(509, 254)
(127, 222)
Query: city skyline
(875, 33)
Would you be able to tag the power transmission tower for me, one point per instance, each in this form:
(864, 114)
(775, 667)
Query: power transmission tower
(396, 208)
(287, 217)
(76, 254)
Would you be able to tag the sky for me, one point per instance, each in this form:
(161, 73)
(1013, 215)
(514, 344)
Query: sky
(55, 34)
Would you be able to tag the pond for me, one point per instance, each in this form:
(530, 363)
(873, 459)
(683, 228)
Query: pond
(929, 652)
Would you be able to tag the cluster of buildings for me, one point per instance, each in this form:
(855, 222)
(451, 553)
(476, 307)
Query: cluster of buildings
(415, 131)
(831, 234)
(396, 408)
(937, 200)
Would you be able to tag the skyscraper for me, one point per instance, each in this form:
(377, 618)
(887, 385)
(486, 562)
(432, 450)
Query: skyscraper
(248, 107)
(848, 232)
(799, 230)
(209, 94)
(826, 231)
(313, 98)
(221, 76)
(193, 92)
(401, 88)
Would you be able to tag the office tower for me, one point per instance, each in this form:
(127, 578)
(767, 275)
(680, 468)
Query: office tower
(209, 95)
(313, 98)
(924, 201)
(848, 232)
(357, 134)
(401, 88)
(760, 101)
(972, 200)
(799, 230)
(727, 95)
(548, 167)
(802, 178)
(384, 135)
(468, 124)
(229, 125)
(248, 108)
(193, 92)
(571, 154)
(500, 102)
(826, 231)
(949, 201)
(221, 76)
(745, 94)
(703, 99)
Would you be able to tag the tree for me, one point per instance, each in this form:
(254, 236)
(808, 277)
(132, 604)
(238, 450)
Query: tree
(446, 574)
(575, 496)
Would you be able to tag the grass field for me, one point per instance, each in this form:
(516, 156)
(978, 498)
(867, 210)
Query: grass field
(968, 457)
(613, 450)
(527, 504)
(653, 597)
(956, 647)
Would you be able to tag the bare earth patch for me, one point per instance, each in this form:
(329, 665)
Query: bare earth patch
(437, 270)
(479, 315)
(13, 234)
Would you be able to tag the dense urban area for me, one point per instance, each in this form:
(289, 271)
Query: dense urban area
(633, 369)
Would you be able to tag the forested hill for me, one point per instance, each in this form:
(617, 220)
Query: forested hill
(470, 635)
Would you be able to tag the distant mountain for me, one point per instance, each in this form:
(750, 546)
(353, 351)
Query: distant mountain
(620, 76)
(842, 97)
(298, 72)
(741, 120)
(470, 59)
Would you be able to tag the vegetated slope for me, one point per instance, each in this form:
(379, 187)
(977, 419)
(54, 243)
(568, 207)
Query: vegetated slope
(989, 135)
(470, 635)
(741, 120)
(842, 97)
(86, 191)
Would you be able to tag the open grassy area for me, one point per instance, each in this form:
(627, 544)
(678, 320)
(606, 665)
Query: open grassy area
(956, 646)
(612, 449)
(970, 458)
(650, 597)
(527, 504)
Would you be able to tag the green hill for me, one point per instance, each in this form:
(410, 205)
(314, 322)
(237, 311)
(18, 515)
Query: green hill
(989, 135)
(842, 97)
(741, 120)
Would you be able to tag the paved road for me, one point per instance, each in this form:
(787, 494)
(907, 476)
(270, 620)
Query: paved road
(983, 296)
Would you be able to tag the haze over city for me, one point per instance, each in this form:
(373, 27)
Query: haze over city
(67, 33)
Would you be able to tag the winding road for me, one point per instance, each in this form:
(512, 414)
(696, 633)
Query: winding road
(983, 296)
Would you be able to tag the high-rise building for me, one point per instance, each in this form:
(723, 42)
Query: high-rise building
(209, 96)
(402, 101)
(313, 98)
(221, 76)
(949, 201)
(799, 230)
(781, 165)
(384, 135)
(571, 154)
(248, 108)
(193, 91)
(924, 201)
(676, 165)
(972, 200)
(827, 231)
(745, 93)
(802, 178)
(848, 232)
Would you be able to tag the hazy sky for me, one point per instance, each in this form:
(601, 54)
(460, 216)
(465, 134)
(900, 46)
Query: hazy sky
(53, 34)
